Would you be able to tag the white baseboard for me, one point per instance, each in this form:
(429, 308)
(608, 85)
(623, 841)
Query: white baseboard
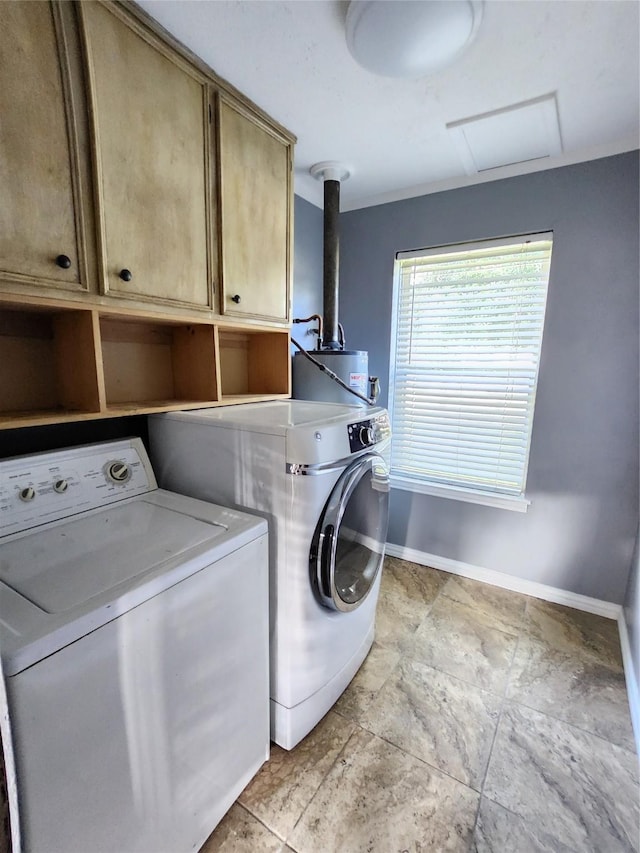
(490, 576)
(633, 691)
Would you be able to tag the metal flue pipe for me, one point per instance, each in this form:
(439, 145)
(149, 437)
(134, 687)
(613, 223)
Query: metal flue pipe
(330, 264)
(331, 173)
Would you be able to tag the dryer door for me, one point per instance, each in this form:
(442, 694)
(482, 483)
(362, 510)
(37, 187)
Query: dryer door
(348, 546)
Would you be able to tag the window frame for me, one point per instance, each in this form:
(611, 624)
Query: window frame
(422, 484)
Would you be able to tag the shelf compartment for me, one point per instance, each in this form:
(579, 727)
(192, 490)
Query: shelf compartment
(153, 364)
(253, 362)
(48, 363)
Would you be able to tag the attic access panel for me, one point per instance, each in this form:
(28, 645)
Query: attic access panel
(514, 134)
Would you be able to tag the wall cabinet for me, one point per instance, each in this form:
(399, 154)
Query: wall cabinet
(44, 166)
(255, 206)
(145, 225)
(150, 121)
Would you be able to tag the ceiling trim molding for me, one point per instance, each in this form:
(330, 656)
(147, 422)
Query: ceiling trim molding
(514, 170)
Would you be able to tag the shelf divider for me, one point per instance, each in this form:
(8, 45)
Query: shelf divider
(194, 363)
(75, 351)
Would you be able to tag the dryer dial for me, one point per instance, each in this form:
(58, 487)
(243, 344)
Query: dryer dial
(366, 436)
(361, 435)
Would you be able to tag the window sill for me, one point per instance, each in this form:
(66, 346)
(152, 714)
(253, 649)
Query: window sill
(516, 503)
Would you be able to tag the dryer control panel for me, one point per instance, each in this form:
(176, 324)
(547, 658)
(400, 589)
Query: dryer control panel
(51, 486)
(369, 432)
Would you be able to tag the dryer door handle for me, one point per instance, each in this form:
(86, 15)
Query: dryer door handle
(327, 548)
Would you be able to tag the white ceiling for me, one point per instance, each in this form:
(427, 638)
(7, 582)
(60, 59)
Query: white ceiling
(290, 57)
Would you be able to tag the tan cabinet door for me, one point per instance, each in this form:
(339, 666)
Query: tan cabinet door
(150, 121)
(255, 207)
(40, 237)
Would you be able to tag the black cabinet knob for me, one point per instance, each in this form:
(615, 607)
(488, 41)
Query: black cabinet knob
(125, 275)
(236, 298)
(63, 261)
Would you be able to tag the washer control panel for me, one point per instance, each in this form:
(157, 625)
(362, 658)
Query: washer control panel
(51, 486)
(369, 432)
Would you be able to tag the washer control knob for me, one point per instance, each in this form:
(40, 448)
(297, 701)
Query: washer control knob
(60, 486)
(118, 472)
(27, 494)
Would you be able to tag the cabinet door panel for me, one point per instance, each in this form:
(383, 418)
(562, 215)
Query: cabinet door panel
(150, 124)
(37, 221)
(255, 174)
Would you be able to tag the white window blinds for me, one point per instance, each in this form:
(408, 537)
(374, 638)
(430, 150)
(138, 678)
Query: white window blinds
(468, 326)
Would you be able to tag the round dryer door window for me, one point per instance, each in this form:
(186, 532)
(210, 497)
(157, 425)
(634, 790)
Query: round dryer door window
(349, 543)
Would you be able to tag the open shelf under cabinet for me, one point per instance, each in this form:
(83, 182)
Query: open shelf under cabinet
(61, 363)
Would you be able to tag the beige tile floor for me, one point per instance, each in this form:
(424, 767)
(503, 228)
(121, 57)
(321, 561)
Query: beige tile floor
(482, 720)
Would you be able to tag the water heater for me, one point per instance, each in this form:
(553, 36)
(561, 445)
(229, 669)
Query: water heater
(310, 383)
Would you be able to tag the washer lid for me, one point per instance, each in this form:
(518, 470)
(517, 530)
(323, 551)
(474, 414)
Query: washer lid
(67, 578)
(65, 565)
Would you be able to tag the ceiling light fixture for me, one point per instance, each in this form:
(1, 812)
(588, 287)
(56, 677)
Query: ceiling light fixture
(410, 38)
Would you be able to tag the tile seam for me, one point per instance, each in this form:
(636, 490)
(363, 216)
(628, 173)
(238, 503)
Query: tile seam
(323, 780)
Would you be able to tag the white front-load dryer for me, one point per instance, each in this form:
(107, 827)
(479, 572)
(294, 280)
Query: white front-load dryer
(318, 472)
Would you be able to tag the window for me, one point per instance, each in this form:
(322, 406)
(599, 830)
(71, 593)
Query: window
(467, 327)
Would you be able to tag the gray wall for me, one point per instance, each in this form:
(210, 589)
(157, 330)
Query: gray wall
(307, 268)
(632, 610)
(632, 613)
(580, 529)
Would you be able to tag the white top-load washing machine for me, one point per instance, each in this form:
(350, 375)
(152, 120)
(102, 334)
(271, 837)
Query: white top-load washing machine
(134, 644)
(318, 472)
